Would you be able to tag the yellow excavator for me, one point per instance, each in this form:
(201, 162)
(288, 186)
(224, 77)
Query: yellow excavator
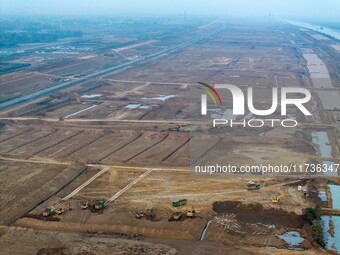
(182, 214)
(85, 205)
(191, 212)
(176, 214)
(61, 210)
(278, 199)
(93, 204)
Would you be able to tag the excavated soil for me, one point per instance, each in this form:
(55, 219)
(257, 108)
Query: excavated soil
(255, 213)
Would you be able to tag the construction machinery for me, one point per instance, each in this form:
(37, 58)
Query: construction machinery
(47, 212)
(148, 214)
(177, 215)
(88, 204)
(278, 199)
(61, 210)
(182, 214)
(139, 214)
(93, 204)
(100, 204)
(178, 203)
(253, 186)
(85, 205)
(191, 212)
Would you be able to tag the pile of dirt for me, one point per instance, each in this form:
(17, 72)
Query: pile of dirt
(60, 251)
(104, 228)
(256, 213)
(40, 217)
(51, 251)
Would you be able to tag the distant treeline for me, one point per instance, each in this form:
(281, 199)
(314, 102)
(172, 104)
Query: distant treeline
(9, 39)
(7, 67)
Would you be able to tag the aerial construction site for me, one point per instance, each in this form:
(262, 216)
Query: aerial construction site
(101, 136)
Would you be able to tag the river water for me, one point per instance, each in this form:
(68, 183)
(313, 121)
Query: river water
(332, 243)
(335, 191)
(205, 230)
(325, 30)
(321, 140)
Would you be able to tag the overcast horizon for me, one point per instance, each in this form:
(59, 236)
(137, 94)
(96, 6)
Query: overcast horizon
(328, 10)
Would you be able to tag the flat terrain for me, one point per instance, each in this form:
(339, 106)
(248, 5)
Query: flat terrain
(132, 136)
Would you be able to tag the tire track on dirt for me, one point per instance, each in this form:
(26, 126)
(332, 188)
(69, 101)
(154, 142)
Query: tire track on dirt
(15, 135)
(139, 153)
(178, 148)
(55, 144)
(41, 137)
(105, 157)
(205, 153)
(82, 146)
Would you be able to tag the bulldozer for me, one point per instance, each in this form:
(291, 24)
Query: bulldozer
(278, 199)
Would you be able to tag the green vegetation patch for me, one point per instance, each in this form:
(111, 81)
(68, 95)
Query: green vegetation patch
(313, 216)
(300, 133)
(8, 67)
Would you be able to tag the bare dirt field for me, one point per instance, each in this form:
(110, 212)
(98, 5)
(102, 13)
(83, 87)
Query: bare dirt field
(25, 185)
(132, 137)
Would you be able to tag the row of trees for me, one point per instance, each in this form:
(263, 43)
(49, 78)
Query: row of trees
(10, 39)
(313, 216)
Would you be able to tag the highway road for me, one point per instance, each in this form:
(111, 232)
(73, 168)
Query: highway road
(169, 121)
(180, 122)
(109, 70)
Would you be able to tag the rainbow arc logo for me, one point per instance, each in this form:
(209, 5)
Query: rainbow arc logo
(239, 99)
(212, 93)
(208, 89)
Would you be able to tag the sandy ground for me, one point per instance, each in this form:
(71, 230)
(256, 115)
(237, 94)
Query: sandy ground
(29, 241)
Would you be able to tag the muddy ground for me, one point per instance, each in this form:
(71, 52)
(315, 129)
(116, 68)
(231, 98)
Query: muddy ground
(255, 213)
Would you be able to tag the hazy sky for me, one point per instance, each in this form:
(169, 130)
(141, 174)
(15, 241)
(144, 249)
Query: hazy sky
(318, 9)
